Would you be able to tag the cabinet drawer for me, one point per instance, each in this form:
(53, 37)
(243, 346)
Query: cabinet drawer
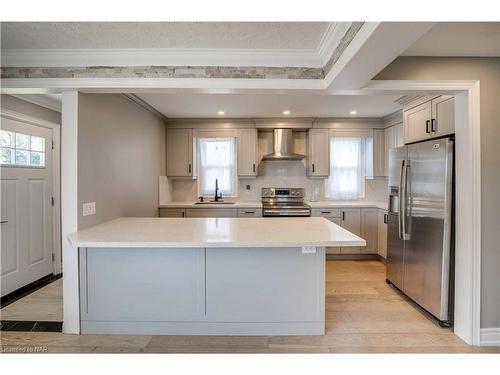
(172, 212)
(326, 212)
(211, 212)
(249, 212)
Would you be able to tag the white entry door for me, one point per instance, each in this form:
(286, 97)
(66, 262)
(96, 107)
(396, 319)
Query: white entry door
(26, 203)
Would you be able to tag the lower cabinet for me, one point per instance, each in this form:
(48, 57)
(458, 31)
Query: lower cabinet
(382, 233)
(172, 212)
(351, 220)
(360, 221)
(211, 212)
(369, 230)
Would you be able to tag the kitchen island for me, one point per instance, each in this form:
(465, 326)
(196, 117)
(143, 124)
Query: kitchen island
(205, 276)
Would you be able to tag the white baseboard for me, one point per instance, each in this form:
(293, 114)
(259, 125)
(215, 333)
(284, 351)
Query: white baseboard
(490, 336)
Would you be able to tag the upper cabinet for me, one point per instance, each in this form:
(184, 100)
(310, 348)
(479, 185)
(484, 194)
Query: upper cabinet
(430, 119)
(180, 153)
(318, 153)
(393, 137)
(247, 153)
(378, 152)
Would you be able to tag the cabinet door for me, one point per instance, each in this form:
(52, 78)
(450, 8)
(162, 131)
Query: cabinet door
(369, 230)
(172, 212)
(388, 144)
(379, 153)
(351, 220)
(334, 250)
(417, 122)
(247, 153)
(399, 135)
(180, 153)
(318, 158)
(382, 233)
(443, 116)
(211, 212)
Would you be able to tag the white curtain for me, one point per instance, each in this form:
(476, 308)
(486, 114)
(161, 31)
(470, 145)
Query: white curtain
(347, 168)
(217, 160)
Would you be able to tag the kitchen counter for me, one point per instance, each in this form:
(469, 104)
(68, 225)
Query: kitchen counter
(258, 204)
(215, 232)
(204, 276)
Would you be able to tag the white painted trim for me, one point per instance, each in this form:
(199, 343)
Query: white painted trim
(331, 39)
(468, 193)
(162, 57)
(56, 179)
(69, 205)
(142, 85)
(490, 336)
(40, 100)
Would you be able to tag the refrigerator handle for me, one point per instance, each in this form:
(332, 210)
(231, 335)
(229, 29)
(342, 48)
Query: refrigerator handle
(405, 203)
(400, 200)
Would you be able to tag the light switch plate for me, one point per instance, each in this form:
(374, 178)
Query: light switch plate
(88, 209)
(308, 249)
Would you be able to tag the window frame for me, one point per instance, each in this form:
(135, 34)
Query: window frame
(14, 148)
(199, 164)
(364, 136)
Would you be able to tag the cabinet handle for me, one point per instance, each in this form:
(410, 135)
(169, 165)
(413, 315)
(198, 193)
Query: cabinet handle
(433, 125)
(183, 214)
(189, 168)
(326, 212)
(253, 168)
(313, 167)
(386, 218)
(343, 215)
(427, 123)
(249, 212)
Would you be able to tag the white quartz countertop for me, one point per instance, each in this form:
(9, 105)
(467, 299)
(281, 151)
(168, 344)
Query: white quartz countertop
(215, 232)
(258, 204)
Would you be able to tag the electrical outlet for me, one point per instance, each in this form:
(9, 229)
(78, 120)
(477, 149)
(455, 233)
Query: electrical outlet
(248, 187)
(308, 249)
(88, 209)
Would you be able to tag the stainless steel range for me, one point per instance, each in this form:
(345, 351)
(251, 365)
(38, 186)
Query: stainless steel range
(284, 202)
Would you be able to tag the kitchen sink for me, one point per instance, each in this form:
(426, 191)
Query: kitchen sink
(214, 202)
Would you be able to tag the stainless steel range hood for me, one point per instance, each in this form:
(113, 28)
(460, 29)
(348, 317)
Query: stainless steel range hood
(283, 146)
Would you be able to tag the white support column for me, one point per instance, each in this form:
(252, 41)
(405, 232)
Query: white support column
(69, 210)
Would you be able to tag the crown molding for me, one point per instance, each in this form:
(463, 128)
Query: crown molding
(145, 105)
(331, 40)
(40, 100)
(308, 58)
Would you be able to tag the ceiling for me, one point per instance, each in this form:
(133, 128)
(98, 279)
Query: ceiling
(458, 39)
(262, 105)
(234, 35)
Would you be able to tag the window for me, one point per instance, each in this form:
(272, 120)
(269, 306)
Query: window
(217, 160)
(21, 149)
(351, 160)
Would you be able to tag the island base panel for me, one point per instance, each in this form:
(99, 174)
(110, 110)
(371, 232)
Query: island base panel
(202, 291)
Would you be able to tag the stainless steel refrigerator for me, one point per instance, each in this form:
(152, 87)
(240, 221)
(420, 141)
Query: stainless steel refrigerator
(420, 224)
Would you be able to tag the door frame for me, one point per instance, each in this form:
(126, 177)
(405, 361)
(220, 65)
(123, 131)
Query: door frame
(56, 179)
(468, 190)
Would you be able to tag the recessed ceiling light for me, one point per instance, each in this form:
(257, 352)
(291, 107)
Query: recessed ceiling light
(353, 112)
(221, 113)
(286, 112)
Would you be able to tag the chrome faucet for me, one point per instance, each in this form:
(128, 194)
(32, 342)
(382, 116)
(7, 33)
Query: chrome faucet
(217, 194)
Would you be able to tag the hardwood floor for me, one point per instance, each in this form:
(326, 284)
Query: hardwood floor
(364, 315)
(44, 304)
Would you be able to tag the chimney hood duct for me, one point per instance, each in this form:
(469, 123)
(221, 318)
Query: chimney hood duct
(283, 146)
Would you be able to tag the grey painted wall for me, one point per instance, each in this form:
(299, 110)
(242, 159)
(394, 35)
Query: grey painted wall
(121, 154)
(30, 109)
(487, 70)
